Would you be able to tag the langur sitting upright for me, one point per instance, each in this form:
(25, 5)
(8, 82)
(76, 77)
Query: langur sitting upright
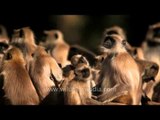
(23, 38)
(59, 48)
(45, 74)
(79, 89)
(120, 75)
(17, 85)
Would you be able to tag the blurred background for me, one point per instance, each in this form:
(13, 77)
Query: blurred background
(85, 30)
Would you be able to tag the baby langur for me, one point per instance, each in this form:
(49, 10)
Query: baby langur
(59, 49)
(17, 85)
(23, 38)
(151, 48)
(45, 74)
(79, 89)
(77, 59)
(148, 71)
(120, 73)
(68, 71)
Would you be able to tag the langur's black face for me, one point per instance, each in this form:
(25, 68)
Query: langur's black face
(3, 47)
(110, 42)
(113, 44)
(150, 72)
(85, 73)
(82, 73)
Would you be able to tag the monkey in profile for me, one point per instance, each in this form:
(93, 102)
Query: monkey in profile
(17, 85)
(45, 74)
(59, 49)
(120, 74)
(151, 48)
(23, 38)
(24, 34)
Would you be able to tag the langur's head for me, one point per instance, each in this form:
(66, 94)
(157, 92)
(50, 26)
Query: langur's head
(77, 59)
(151, 70)
(14, 54)
(53, 36)
(116, 30)
(3, 47)
(153, 34)
(22, 35)
(82, 72)
(113, 44)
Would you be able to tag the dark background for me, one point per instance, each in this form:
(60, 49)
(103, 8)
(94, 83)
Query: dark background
(88, 29)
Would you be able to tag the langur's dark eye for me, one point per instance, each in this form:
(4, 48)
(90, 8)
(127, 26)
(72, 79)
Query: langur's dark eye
(124, 42)
(8, 56)
(102, 59)
(32, 54)
(85, 73)
(56, 36)
(109, 42)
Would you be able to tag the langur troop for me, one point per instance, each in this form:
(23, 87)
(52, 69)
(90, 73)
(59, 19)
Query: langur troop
(52, 72)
